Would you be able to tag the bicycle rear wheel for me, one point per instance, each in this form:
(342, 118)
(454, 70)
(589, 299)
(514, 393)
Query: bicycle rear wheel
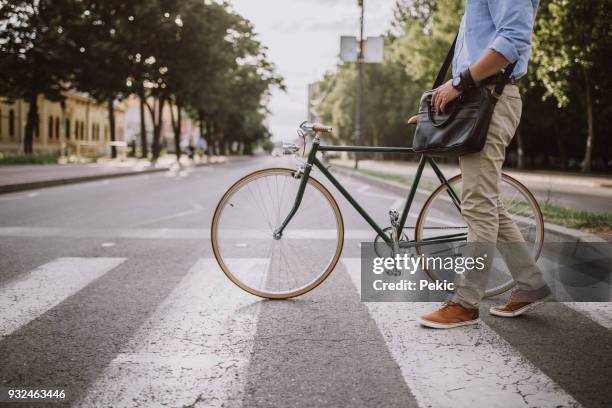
(440, 217)
(243, 229)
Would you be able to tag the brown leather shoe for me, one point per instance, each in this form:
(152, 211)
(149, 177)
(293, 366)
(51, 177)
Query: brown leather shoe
(450, 315)
(517, 305)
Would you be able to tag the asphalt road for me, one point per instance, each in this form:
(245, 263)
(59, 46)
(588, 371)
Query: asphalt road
(109, 290)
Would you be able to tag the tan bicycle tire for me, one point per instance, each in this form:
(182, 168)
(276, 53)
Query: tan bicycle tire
(339, 247)
(512, 181)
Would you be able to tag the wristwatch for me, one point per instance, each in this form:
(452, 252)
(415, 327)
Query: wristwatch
(463, 81)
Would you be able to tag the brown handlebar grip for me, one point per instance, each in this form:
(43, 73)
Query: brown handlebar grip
(319, 128)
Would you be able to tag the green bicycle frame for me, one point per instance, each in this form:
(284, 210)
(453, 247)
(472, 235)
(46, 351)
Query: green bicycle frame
(314, 161)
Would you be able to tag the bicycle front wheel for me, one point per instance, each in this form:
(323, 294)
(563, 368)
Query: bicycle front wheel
(441, 218)
(243, 239)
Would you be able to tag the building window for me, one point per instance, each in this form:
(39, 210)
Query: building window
(76, 130)
(57, 127)
(50, 128)
(11, 123)
(67, 130)
(82, 131)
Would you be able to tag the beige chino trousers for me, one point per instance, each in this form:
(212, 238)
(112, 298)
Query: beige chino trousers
(487, 220)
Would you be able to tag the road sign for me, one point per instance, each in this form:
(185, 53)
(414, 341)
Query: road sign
(349, 48)
(374, 50)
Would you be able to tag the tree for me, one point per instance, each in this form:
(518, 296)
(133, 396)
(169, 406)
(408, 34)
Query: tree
(34, 59)
(235, 84)
(572, 49)
(99, 44)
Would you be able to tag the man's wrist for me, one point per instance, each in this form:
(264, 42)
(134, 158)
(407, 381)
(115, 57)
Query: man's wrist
(463, 81)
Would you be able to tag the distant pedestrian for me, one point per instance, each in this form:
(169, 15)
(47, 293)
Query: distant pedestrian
(201, 148)
(191, 151)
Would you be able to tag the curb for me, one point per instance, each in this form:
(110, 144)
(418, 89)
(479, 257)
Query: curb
(564, 233)
(11, 188)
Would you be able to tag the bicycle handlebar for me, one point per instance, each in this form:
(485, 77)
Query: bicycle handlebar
(316, 127)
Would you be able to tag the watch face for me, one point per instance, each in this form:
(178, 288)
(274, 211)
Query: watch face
(456, 82)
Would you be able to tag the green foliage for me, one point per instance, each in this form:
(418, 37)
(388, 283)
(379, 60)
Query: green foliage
(572, 39)
(572, 53)
(198, 56)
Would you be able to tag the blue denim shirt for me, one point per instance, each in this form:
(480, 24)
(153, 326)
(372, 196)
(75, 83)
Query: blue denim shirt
(503, 25)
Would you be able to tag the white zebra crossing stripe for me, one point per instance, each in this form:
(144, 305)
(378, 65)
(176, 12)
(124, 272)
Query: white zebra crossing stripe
(463, 367)
(29, 296)
(194, 348)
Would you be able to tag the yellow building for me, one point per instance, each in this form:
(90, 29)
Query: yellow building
(83, 127)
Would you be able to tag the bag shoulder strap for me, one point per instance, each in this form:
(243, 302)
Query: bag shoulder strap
(446, 65)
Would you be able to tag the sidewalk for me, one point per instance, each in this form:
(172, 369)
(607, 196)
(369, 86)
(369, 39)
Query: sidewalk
(576, 191)
(26, 177)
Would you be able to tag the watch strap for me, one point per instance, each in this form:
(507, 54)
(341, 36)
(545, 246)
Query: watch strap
(467, 82)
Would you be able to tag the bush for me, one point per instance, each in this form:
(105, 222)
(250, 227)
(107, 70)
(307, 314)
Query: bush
(15, 158)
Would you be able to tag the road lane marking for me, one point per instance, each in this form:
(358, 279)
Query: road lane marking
(463, 367)
(29, 296)
(195, 347)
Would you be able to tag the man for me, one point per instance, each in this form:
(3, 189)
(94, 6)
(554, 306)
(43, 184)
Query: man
(493, 34)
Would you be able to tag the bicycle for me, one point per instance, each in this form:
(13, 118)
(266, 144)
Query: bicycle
(297, 236)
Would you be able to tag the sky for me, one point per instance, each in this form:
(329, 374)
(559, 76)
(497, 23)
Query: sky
(303, 40)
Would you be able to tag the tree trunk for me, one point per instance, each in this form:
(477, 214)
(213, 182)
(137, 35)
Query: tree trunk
(211, 141)
(111, 124)
(143, 130)
(588, 154)
(176, 127)
(205, 129)
(157, 118)
(28, 140)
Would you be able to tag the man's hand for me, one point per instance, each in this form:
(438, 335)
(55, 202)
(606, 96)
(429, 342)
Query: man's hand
(413, 120)
(443, 95)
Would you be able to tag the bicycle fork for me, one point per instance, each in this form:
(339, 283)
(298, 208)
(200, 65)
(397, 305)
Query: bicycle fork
(302, 171)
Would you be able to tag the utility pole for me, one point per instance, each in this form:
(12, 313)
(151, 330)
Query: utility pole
(360, 60)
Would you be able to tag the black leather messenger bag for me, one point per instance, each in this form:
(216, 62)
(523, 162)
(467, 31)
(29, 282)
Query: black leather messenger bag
(463, 128)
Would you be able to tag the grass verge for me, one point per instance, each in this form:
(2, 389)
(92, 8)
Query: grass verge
(13, 158)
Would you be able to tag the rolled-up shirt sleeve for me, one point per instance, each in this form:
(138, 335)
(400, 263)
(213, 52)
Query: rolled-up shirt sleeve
(513, 20)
